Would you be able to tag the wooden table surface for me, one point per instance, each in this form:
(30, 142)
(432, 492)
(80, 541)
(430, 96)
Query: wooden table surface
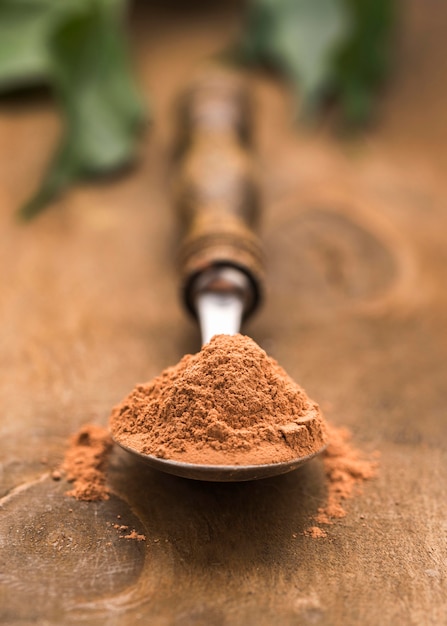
(355, 237)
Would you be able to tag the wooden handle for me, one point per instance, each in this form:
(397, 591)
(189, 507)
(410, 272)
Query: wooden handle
(216, 186)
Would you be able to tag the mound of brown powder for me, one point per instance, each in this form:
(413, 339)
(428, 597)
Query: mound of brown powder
(230, 404)
(85, 463)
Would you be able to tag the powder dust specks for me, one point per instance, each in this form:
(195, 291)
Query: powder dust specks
(134, 535)
(315, 532)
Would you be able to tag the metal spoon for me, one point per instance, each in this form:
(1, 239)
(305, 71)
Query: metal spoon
(220, 312)
(221, 260)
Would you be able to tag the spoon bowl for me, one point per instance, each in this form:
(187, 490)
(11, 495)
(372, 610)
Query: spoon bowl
(219, 473)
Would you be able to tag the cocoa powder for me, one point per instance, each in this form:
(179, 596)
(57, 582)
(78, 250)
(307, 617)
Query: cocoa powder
(134, 535)
(345, 468)
(85, 463)
(230, 404)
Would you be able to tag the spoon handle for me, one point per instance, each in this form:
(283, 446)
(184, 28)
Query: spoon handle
(216, 188)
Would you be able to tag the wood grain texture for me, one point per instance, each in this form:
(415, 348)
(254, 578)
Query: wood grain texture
(354, 232)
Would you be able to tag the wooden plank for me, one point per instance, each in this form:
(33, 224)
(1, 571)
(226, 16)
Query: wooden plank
(355, 241)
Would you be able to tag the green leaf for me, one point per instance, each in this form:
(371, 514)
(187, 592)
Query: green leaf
(24, 29)
(79, 48)
(299, 37)
(340, 48)
(92, 82)
(364, 59)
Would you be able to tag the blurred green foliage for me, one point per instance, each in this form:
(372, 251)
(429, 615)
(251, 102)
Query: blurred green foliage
(78, 48)
(364, 58)
(325, 48)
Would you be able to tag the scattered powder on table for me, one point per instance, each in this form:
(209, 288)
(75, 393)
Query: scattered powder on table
(346, 468)
(134, 535)
(230, 404)
(315, 532)
(85, 463)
